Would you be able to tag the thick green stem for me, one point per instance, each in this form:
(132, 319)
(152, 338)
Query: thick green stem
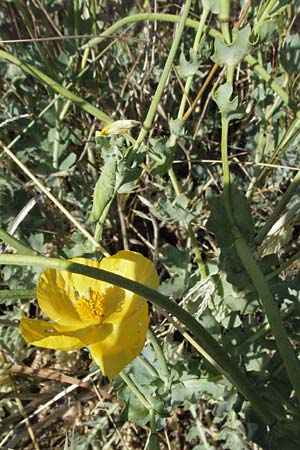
(207, 345)
(224, 17)
(282, 341)
(16, 244)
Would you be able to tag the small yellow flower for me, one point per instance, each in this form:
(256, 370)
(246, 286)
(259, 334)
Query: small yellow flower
(117, 127)
(83, 311)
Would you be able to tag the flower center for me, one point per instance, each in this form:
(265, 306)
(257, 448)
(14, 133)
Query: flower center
(91, 309)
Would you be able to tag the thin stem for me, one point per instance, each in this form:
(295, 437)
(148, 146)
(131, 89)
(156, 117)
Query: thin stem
(132, 386)
(52, 198)
(10, 294)
(207, 345)
(189, 79)
(152, 371)
(57, 87)
(282, 341)
(154, 438)
(164, 76)
(137, 18)
(173, 139)
(159, 354)
(264, 16)
(225, 164)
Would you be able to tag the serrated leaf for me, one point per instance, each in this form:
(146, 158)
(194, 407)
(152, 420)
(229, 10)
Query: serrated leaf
(231, 55)
(228, 108)
(162, 156)
(173, 212)
(104, 190)
(188, 68)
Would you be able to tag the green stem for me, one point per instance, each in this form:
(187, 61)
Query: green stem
(264, 329)
(10, 294)
(137, 18)
(189, 79)
(282, 341)
(76, 20)
(268, 78)
(284, 266)
(152, 371)
(267, 9)
(208, 346)
(159, 354)
(15, 243)
(57, 87)
(164, 76)
(225, 164)
(132, 386)
(154, 438)
(224, 17)
(173, 139)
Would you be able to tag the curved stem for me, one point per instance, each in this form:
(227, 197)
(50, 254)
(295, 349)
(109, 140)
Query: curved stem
(132, 386)
(15, 243)
(207, 345)
(258, 279)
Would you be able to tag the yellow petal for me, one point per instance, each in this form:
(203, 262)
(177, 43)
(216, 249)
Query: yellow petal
(55, 298)
(49, 335)
(120, 303)
(81, 283)
(123, 343)
(132, 265)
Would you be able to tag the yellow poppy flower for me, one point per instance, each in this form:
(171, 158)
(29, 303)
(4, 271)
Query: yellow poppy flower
(83, 311)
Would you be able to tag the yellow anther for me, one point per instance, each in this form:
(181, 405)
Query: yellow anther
(92, 308)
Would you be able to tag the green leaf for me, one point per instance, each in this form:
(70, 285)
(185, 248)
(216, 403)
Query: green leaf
(177, 211)
(161, 154)
(211, 5)
(231, 55)
(177, 127)
(188, 68)
(68, 162)
(228, 108)
(220, 226)
(104, 190)
(290, 53)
